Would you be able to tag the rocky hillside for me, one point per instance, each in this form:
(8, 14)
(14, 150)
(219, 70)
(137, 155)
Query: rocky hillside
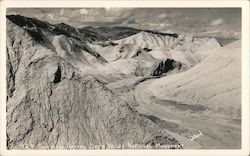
(110, 33)
(52, 105)
(116, 32)
(214, 83)
(148, 40)
(60, 38)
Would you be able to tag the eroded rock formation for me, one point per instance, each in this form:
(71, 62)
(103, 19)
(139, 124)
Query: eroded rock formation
(51, 104)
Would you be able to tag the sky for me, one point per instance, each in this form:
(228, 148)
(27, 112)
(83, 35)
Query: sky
(211, 22)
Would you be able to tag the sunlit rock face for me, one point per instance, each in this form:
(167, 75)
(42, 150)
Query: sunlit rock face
(51, 104)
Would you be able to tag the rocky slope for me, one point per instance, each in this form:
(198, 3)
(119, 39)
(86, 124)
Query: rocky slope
(63, 39)
(116, 52)
(81, 49)
(153, 50)
(52, 105)
(117, 32)
(110, 33)
(187, 50)
(214, 83)
(148, 40)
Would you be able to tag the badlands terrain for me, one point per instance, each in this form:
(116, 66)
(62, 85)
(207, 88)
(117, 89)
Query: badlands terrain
(119, 87)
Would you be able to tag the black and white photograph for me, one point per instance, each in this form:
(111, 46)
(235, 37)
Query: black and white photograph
(115, 78)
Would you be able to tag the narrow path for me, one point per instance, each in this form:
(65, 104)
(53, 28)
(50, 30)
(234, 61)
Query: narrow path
(215, 133)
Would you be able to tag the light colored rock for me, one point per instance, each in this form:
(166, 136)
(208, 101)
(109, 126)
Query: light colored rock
(51, 105)
(215, 82)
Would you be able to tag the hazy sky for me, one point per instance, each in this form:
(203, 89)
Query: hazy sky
(219, 22)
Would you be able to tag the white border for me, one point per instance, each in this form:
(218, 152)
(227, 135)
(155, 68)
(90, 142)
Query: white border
(141, 3)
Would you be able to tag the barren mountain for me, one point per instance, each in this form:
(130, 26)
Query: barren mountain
(184, 51)
(116, 32)
(51, 104)
(214, 83)
(110, 33)
(112, 87)
(148, 40)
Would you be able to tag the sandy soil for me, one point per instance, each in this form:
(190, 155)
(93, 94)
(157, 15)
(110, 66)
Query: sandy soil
(183, 124)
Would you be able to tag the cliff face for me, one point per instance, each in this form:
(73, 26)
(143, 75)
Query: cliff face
(50, 104)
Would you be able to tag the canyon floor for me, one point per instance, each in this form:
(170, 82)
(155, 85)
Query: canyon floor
(181, 121)
(71, 87)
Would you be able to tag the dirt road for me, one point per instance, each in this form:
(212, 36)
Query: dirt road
(192, 129)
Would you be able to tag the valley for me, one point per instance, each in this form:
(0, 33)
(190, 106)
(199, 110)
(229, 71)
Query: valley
(217, 132)
(180, 121)
(72, 87)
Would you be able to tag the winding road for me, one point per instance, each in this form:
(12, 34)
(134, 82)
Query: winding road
(192, 130)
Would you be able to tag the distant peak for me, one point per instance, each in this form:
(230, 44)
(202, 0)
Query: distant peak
(27, 21)
(161, 33)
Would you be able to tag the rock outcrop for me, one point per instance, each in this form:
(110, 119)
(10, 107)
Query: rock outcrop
(52, 105)
(164, 67)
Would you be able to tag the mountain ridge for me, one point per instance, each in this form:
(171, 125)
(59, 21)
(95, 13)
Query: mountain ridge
(96, 33)
(51, 104)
